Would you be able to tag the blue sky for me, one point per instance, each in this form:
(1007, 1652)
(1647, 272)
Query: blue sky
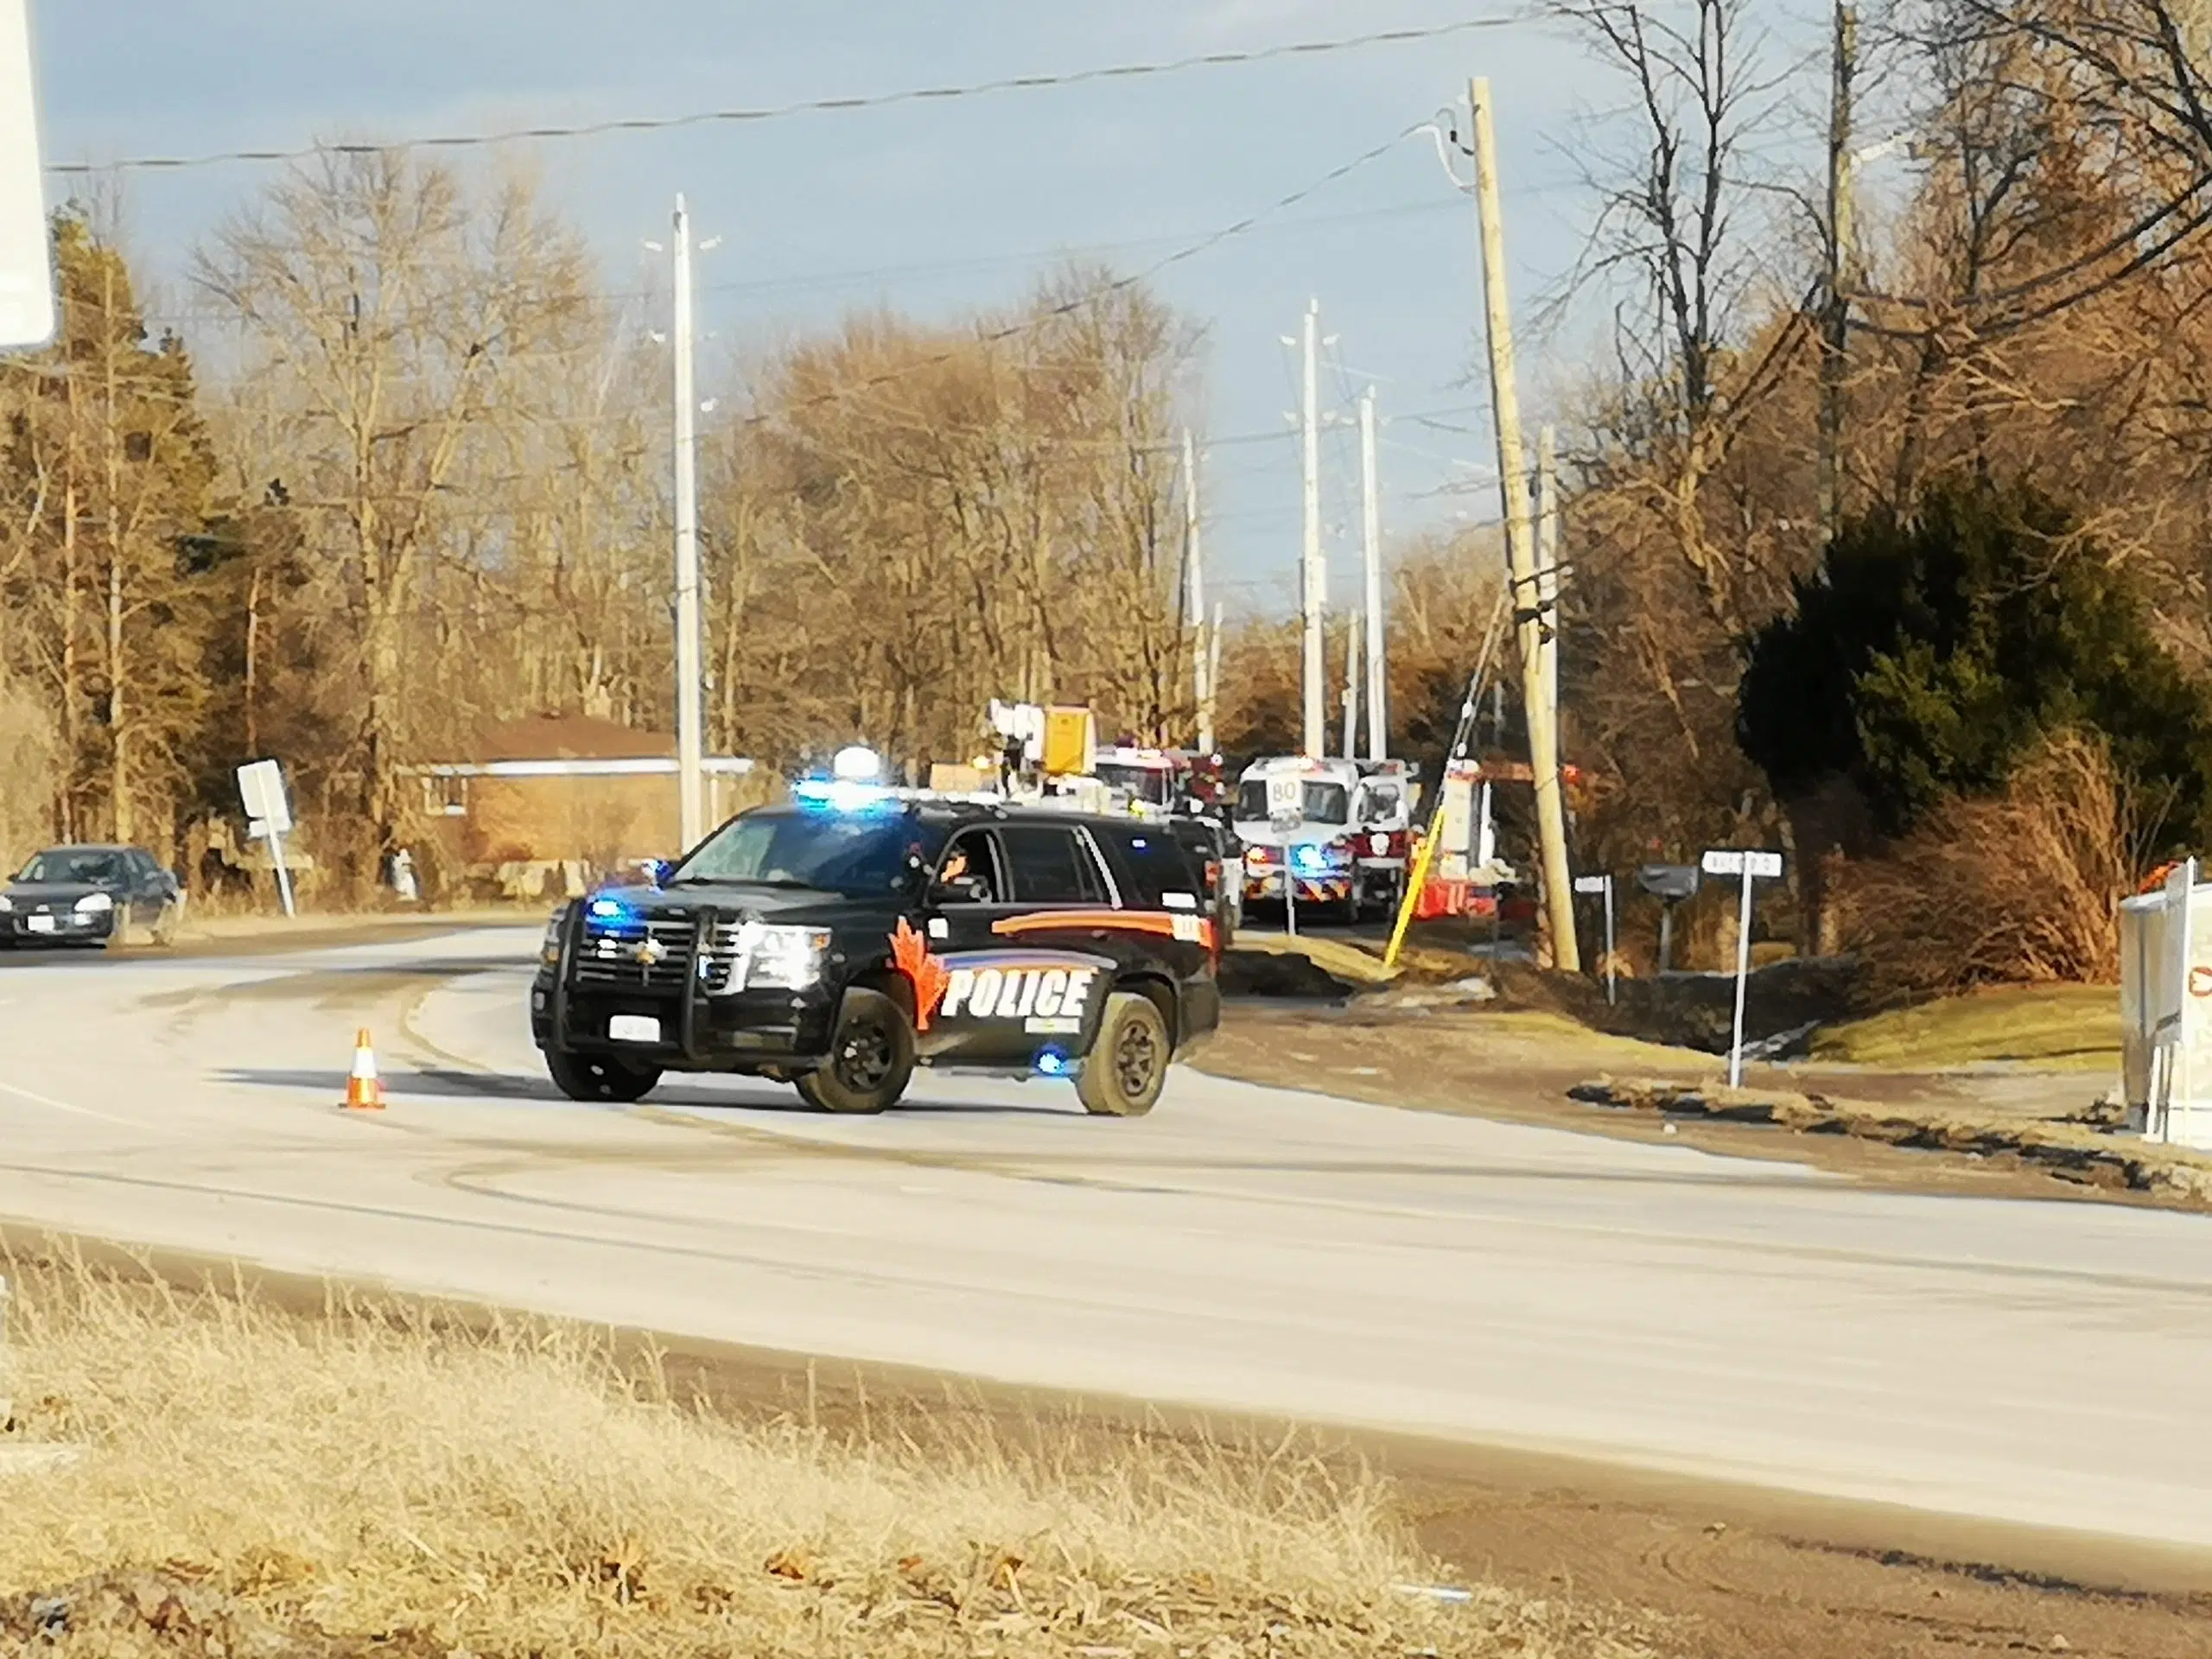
(934, 207)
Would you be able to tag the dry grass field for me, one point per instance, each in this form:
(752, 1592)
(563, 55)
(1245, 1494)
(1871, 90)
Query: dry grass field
(383, 1480)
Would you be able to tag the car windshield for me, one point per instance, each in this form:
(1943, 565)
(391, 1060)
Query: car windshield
(76, 864)
(1252, 800)
(859, 854)
(1151, 784)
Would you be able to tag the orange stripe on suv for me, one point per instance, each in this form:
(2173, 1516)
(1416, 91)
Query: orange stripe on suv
(1198, 929)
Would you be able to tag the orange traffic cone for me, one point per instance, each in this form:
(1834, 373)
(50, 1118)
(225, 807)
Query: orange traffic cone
(363, 1092)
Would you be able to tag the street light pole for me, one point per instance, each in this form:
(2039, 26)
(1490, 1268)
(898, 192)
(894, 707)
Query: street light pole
(1313, 583)
(1378, 720)
(690, 801)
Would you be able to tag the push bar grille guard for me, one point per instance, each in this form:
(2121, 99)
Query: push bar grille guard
(704, 923)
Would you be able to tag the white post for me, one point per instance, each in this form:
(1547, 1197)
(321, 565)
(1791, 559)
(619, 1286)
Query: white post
(690, 804)
(1313, 583)
(1201, 685)
(1290, 889)
(2178, 1079)
(1743, 972)
(284, 875)
(1611, 990)
(1378, 723)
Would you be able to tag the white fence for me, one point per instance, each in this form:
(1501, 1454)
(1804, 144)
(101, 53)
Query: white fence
(2166, 1009)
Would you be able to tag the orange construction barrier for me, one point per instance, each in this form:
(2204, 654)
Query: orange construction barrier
(363, 1093)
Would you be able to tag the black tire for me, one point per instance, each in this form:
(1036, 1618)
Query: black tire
(599, 1078)
(871, 1058)
(1127, 1067)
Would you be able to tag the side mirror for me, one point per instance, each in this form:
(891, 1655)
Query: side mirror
(655, 870)
(961, 890)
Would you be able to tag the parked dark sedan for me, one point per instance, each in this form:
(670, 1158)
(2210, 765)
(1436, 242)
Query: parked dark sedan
(90, 895)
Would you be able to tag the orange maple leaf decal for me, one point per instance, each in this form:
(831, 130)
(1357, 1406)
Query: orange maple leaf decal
(911, 955)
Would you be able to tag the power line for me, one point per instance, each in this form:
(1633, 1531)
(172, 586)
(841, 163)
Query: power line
(1107, 290)
(850, 276)
(807, 107)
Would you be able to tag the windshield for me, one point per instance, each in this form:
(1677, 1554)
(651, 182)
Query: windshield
(1320, 802)
(859, 854)
(1145, 783)
(77, 864)
(1383, 801)
(1328, 803)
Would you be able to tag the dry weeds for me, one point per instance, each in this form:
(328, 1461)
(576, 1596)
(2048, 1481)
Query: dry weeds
(2024, 889)
(380, 1479)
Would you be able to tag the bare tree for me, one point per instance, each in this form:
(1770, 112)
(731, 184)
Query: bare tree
(1682, 246)
(390, 311)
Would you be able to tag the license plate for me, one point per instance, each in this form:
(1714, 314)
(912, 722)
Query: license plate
(43, 924)
(633, 1028)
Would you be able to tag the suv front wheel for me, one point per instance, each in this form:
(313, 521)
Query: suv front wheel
(1127, 1066)
(871, 1058)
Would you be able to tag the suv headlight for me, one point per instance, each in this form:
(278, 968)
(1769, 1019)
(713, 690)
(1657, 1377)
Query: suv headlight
(94, 903)
(775, 958)
(549, 951)
(6, 904)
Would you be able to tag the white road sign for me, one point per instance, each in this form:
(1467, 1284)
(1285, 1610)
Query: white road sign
(1747, 866)
(261, 789)
(1763, 867)
(25, 259)
(1593, 883)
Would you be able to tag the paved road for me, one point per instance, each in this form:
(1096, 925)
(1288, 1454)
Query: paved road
(1241, 1247)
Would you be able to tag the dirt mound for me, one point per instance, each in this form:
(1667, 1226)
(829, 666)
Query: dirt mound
(1278, 974)
(1783, 1004)
(2085, 1148)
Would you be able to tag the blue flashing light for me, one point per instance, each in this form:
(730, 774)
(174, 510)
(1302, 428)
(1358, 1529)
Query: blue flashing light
(841, 795)
(1052, 1062)
(608, 910)
(1311, 857)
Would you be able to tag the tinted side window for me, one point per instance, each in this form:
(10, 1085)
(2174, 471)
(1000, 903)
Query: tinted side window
(1155, 863)
(1050, 866)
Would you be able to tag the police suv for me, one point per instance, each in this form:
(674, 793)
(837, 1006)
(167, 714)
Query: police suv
(839, 941)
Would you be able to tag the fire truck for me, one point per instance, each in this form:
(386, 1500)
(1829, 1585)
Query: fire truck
(1330, 832)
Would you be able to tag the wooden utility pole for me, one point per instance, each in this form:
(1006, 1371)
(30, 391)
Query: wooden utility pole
(1547, 563)
(119, 818)
(1836, 314)
(1201, 680)
(1520, 545)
